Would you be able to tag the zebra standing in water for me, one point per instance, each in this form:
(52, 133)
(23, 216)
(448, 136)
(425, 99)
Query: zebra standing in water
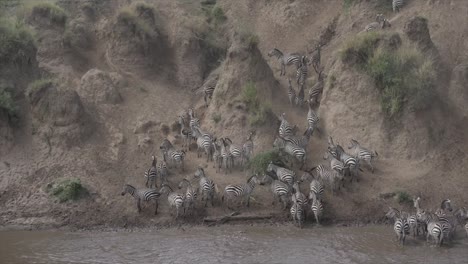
(170, 153)
(151, 174)
(401, 228)
(247, 149)
(175, 200)
(285, 60)
(142, 195)
(361, 153)
(316, 207)
(291, 93)
(243, 191)
(280, 190)
(297, 213)
(283, 174)
(190, 196)
(292, 150)
(207, 186)
(397, 5)
(316, 187)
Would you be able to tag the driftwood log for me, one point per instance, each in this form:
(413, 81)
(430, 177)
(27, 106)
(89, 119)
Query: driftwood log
(235, 216)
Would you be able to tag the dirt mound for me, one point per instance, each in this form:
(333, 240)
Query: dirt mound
(98, 87)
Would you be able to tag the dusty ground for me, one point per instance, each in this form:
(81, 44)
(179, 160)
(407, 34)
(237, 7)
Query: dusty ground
(424, 154)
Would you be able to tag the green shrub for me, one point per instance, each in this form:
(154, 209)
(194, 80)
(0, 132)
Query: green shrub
(403, 197)
(249, 94)
(66, 189)
(17, 43)
(403, 75)
(7, 103)
(259, 113)
(50, 10)
(216, 118)
(259, 163)
(217, 15)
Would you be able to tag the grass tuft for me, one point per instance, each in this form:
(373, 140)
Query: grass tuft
(260, 112)
(259, 163)
(66, 189)
(50, 10)
(216, 118)
(17, 44)
(403, 197)
(404, 75)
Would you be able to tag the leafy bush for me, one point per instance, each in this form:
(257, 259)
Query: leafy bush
(260, 112)
(403, 197)
(259, 163)
(216, 118)
(66, 189)
(47, 9)
(17, 43)
(403, 74)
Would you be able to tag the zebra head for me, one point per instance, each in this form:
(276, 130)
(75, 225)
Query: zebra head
(266, 179)
(353, 144)
(416, 202)
(183, 183)
(392, 213)
(154, 161)
(200, 172)
(165, 188)
(127, 189)
(166, 145)
(446, 205)
(191, 113)
(379, 18)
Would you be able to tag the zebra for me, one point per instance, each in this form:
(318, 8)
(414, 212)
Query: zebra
(293, 150)
(162, 170)
(300, 96)
(285, 129)
(445, 206)
(302, 141)
(151, 174)
(335, 164)
(208, 90)
(190, 196)
(142, 194)
(283, 174)
(185, 133)
(194, 122)
(397, 5)
(243, 191)
(204, 142)
(279, 189)
(301, 73)
(247, 149)
(316, 207)
(316, 57)
(401, 228)
(207, 186)
(297, 213)
(217, 157)
(169, 153)
(329, 176)
(226, 156)
(316, 90)
(361, 153)
(394, 214)
(351, 163)
(301, 198)
(434, 231)
(285, 60)
(175, 200)
(381, 22)
(236, 152)
(414, 225)
(291, 93)
(316, 187)
(312, 119)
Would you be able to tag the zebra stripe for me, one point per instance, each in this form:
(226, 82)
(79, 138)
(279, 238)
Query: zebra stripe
(175, 200)
(285, 60)
(291, 149)
(285, 129)
(361, 153)
(240, 191)
(350, 162)
(297, 214)
(171, 154)
(235, 151)
(317, 208)
(247, 149)
(300, 96)
(302, 72)
(142, 195)
(397, 5)
(151, 174)
(401, 228)
(162, 171)
(291, 93)
(226, 155)
(301, 199)
(217, 157)
(204, 142)
(330, 176)
(316, 187)
(316, 90)
(280, 190)
(190, 196)
(194, 122)
(312, 119)
(207, 186)
(434, 231)
(283, 174)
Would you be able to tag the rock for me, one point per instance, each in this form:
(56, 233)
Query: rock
(98, 87)
(144, 126)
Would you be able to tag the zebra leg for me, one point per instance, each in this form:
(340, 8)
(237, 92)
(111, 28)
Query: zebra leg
(317, 219)
(155, 207)
(138, 205)
(147, 180)
(248, 201)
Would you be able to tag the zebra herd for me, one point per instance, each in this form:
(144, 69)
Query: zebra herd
(438, 226)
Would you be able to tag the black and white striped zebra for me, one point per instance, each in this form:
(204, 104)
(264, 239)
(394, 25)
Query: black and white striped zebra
(300, 96)
(335, 164)
(285, 129)
(285, 60)
(312, 119)
(297, 213)
(401, 228)
(291, 93)
(248, 149)
(185, 133)
(190, 196)
(316, 187)
(280, 190)
(162, 170)
(434, 232)
(393, 214)
(316, 57)
(283, 174)
(144, 195)
(329, 176)
(302, 141)
(151, 174)
(204, 142)
(207, 186)
(317, 208)
(240, 191)
(414, 225)
(301, 198)
(316, 90)
(351, 163)
(226, 155)
(302, 72)
(397, 5)
(175, 200)
(217, 157)
(172, 155)
(193, 121)
(291, 149)
(208, 89)
(362, 153)
(236, 152)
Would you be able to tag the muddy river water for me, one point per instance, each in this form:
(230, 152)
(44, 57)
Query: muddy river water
(226, 244)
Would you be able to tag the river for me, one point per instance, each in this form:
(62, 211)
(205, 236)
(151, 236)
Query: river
(226, 244)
